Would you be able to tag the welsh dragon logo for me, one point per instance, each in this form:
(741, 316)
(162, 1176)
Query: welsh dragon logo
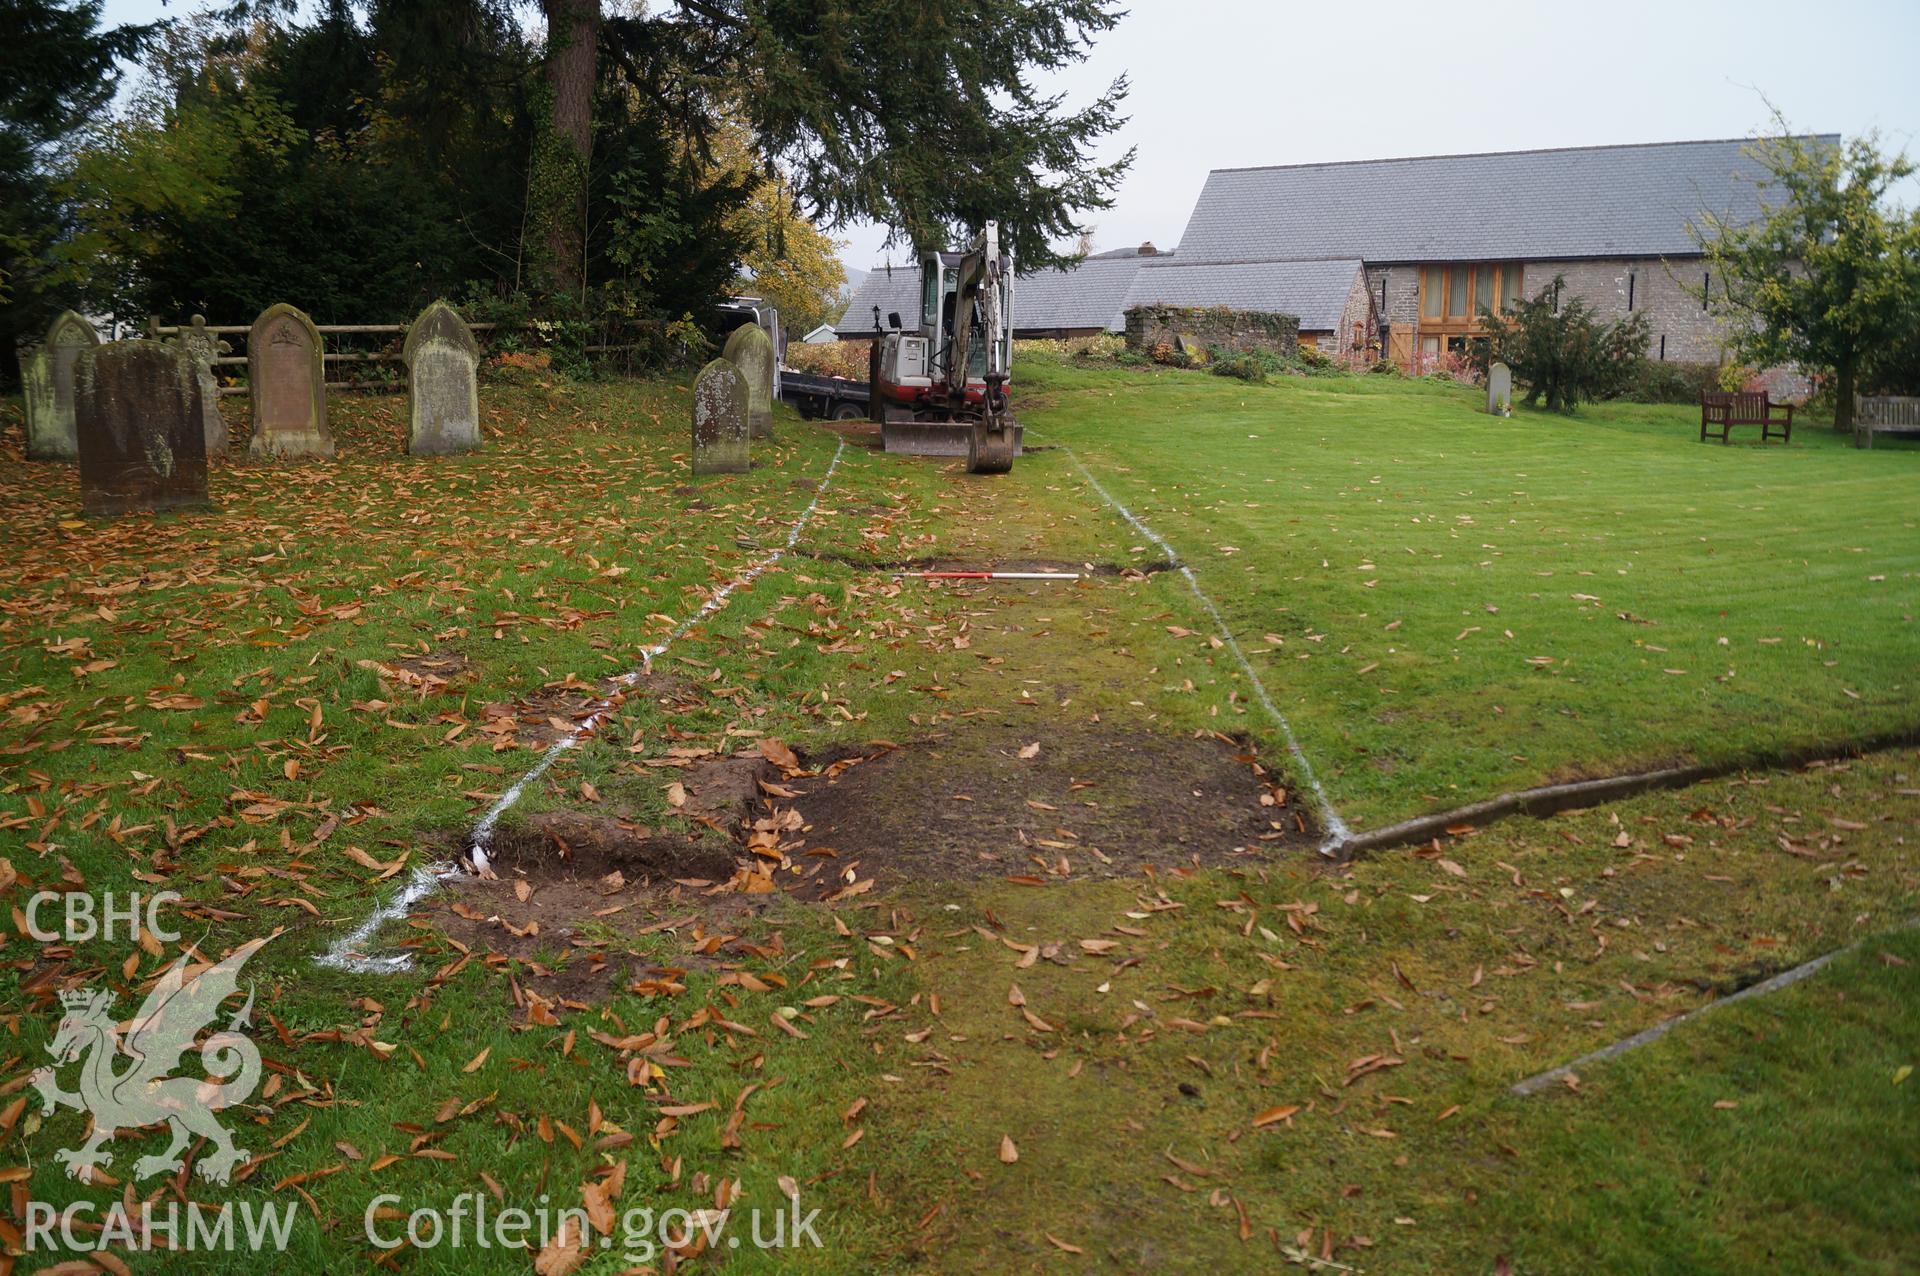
(142, 1093)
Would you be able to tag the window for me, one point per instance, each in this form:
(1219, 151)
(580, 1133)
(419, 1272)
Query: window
(1455, 295)
(1630, 282)
(929, 292)
(1511, 293)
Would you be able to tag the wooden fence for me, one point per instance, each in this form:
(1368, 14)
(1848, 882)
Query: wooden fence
(388, 351)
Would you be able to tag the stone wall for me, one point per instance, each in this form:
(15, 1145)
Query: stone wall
(1358, 315)
(1402, 292)
(1658, 288)
(1692, 335)
(1234, 330)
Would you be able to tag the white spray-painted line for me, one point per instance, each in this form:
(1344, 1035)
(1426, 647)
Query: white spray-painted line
(1785, 979)
(345, 953)
(1336, 828)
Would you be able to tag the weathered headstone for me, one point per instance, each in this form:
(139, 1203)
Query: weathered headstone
(143, 445)
(289, 386)
(1500, 390)
(48, 382)
(204, 347)
(720, 401)
(442, 391)
(36, 387)
(751, 350)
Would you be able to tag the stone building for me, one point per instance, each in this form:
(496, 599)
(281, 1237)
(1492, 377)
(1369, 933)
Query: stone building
(1444, 236)
(1401, 255)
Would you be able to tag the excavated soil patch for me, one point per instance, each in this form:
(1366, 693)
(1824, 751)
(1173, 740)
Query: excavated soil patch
(987, 799)
(1135, 571)
(567, 882)
(1094, 800)
(565, 846)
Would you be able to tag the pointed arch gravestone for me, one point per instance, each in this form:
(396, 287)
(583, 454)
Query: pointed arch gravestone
(720, 420)
(443, 392)
(289, 386)
(204, 347)
(749, 349)
(47, 377)
(142, 443)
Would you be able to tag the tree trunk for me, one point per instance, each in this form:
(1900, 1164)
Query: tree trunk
(573, 43)
(1845, 379)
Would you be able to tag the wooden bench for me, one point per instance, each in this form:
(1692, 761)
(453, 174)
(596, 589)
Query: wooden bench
(1727, 409)
(1883, 414)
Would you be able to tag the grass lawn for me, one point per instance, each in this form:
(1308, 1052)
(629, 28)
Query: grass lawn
(1455, 605)
(1084, 995)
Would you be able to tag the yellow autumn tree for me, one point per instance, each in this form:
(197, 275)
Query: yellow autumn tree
(789, 261)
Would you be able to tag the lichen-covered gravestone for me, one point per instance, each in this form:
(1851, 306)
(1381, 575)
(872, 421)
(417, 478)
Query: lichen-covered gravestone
(204, 347)
(143, 445)
(1500, 390)
(289, 386)
(720, 420)
(48, 381)
(751, 350)
(442, 391)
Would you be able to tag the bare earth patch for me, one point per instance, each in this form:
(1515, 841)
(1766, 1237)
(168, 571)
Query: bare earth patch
(1091, 800)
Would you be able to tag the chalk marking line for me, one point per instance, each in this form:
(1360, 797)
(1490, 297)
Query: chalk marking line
(1336, 828)
(348, 951)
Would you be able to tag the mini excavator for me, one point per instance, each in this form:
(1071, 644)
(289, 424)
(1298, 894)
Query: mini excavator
(940, 389)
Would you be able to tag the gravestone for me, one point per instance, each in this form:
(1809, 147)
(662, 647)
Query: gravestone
(142, 443)
(720, 402)
(751, 350)
(1500, 390)
(289, 386)
(442, 391)
(36, 388)
(48, 383)
(203, 348)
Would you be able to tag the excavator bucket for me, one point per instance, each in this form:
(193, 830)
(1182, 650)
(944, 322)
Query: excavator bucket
(990, 450)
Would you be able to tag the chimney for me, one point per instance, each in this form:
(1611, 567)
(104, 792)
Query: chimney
(1148, 250)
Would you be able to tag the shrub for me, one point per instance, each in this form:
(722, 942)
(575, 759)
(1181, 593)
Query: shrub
(1564, 353)
(1247, 365)
(1102, 347)
(830, 358)
(1313, 359)
(1656, 381)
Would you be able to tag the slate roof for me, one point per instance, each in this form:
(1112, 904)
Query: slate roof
(1597, 201)
(1092, 295)
(892, 289)
(1314, 291)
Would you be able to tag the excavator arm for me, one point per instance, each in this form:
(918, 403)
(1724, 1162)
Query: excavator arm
(977, 295)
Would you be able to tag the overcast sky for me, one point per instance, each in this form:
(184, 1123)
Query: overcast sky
(1224, 83)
